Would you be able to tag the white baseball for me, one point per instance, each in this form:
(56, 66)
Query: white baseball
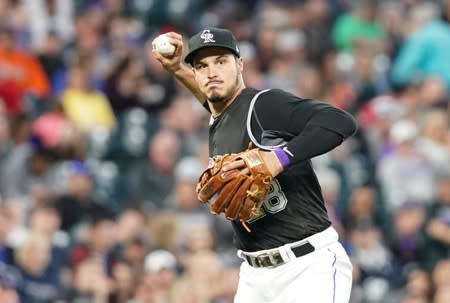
(163, 45)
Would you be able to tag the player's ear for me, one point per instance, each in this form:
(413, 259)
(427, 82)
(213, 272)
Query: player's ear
(240, 64)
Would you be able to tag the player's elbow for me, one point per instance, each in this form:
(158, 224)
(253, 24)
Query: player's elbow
(338, 121)
(349, 126)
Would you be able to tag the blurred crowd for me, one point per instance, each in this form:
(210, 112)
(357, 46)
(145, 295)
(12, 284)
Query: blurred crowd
(100, 149)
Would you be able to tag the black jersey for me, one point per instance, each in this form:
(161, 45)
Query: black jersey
(294, 208)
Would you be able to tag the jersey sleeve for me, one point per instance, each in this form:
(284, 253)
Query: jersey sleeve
(307, 127)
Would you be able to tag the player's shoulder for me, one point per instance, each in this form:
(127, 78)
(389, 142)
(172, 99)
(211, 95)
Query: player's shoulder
(280, 94)
(277, 97)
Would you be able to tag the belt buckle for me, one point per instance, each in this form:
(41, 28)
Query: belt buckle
(267, 260)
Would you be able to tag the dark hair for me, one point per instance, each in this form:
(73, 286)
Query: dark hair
(46, 207)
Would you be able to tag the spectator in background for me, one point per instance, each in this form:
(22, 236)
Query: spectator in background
(183, 198)
(184, 115)
(90, 283)
(363, 209)
(20, 127)
(309, 83)
(433, 142)
(440, 277)
(133, 241)
(129, 224)
(89, 46)
(404, 174)
(406, 241)
(41, 277)
(193, 220)
(358, 28)
(51, 127)
(251, 72)
(434, 93)
(133, 254)
(351, 168)
(161, 266)
(185, 291)
(45, 220)
(410, 298)
(373, 261)
(97, 244)
(318, 37)
(50, 55)
(380, 113)
(8, 285)
(5, 135)
(76, 204)
(442, 296)
(124, 279)
(330, 183)
(437, 227)
(85, 107)
(368, 79)
(27, 170)
(45, 16)
(201, 279)
(230, 279)
(288, 59)
(162, 229)
(425, 51)
(8, 295)
(6, 251)
(17, 212)
(417, 287)
(122, 85)
(59, 134)
(125, 33)
(145, 290)
(391, 16)
(152, 179)
(21, 74)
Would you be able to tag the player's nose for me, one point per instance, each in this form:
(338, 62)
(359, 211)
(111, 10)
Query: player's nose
(211, 74)
(211, 71)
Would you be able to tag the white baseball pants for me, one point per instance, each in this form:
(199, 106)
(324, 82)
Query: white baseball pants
(322, 276)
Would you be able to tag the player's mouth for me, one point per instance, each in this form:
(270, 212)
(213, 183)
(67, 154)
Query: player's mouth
(214, 83)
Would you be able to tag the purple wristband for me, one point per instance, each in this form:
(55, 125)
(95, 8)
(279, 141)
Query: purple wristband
(282, 157)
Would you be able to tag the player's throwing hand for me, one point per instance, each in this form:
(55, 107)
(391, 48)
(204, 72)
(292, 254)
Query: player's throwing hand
(170, 63)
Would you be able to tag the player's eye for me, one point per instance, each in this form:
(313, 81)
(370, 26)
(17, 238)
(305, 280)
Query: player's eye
(200, 66)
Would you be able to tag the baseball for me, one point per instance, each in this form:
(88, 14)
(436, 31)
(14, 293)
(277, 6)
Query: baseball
(163, 45)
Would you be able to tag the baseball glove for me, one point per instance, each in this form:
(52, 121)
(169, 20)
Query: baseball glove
(240, 192)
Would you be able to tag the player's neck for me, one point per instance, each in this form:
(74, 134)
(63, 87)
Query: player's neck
(218, 108)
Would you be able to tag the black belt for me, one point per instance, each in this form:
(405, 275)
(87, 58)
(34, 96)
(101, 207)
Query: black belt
(274, 258)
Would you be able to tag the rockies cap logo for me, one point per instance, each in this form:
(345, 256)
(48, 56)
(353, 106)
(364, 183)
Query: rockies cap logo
(207, 36)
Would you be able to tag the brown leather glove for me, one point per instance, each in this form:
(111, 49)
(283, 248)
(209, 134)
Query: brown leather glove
(238, 193)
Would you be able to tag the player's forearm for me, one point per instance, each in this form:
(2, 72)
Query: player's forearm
(323, 132)
(173, 64)
(313, 142)
(186, 77)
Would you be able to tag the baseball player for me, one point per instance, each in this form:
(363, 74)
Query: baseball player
(292, 253)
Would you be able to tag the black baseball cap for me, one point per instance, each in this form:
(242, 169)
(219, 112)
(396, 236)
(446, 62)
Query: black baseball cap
(217, 37)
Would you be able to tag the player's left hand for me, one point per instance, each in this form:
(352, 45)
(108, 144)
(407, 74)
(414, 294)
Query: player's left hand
(241, 189)
(269, 158)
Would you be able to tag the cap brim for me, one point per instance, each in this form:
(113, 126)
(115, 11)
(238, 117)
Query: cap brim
(191, 55)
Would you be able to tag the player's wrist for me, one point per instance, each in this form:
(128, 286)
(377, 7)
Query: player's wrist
(181, 71)
(282, 157)
(175, 69)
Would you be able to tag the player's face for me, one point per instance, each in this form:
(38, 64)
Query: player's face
(217, 72)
